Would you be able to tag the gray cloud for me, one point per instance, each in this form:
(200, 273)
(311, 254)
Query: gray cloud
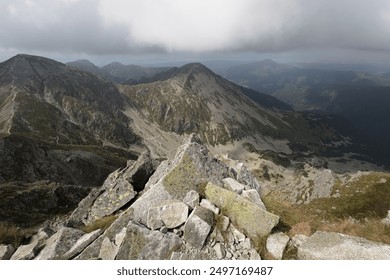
(117, 27)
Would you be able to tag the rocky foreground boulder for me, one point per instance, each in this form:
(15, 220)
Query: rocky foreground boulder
(191, 207)
(337, 246)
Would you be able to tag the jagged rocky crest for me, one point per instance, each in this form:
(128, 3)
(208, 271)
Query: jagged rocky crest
(192, 207)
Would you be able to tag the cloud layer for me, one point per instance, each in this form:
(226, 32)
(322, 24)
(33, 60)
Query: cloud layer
(198, 26)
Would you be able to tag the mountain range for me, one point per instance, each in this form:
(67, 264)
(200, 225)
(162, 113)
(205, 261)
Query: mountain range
(65, 127)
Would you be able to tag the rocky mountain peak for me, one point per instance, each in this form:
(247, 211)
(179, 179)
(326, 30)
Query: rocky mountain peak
(23, 67)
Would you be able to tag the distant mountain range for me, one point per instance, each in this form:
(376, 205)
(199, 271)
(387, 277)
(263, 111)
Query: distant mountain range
(360, 97)
(118, 72)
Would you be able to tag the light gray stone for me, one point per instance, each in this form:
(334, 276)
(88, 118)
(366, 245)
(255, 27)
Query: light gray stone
(108, 250)
(254, 255)
(120, 237)
(191, 199)
(198, 226)
(30, 251)
(208, 205)
(154, 220)
(298, 240)
(59, 243)
(219, 251)
(82, 243)
(237, 235)
(276, 243)
(233, 185)
(224, 223)
(337, 246)
(26, 252)
(6, 251)
(253, 196)
(246, 244)
(171, 213)
(229, 255)
(141, 243)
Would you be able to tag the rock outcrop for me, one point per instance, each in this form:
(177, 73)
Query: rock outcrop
(337, 246)
(168, 213)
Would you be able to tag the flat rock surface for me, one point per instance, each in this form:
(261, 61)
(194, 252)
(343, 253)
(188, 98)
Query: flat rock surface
(337, 246)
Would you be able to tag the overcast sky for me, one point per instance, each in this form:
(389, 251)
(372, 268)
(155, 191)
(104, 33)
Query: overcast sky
(163, 30)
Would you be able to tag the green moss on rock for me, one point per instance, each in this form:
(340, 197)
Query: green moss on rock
(245, 215)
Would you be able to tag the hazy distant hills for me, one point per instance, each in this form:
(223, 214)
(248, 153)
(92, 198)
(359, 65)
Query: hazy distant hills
(360, 97)
(118, 72)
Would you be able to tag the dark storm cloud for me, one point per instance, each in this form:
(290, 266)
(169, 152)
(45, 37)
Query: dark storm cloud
(112, 27)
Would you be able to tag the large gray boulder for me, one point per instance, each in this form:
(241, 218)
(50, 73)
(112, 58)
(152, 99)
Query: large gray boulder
(6, 251)
(198, 226)
(245, 215)
(82, 243)
(337, 246)
(170, 213)
(140, 243)
(59, 243)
